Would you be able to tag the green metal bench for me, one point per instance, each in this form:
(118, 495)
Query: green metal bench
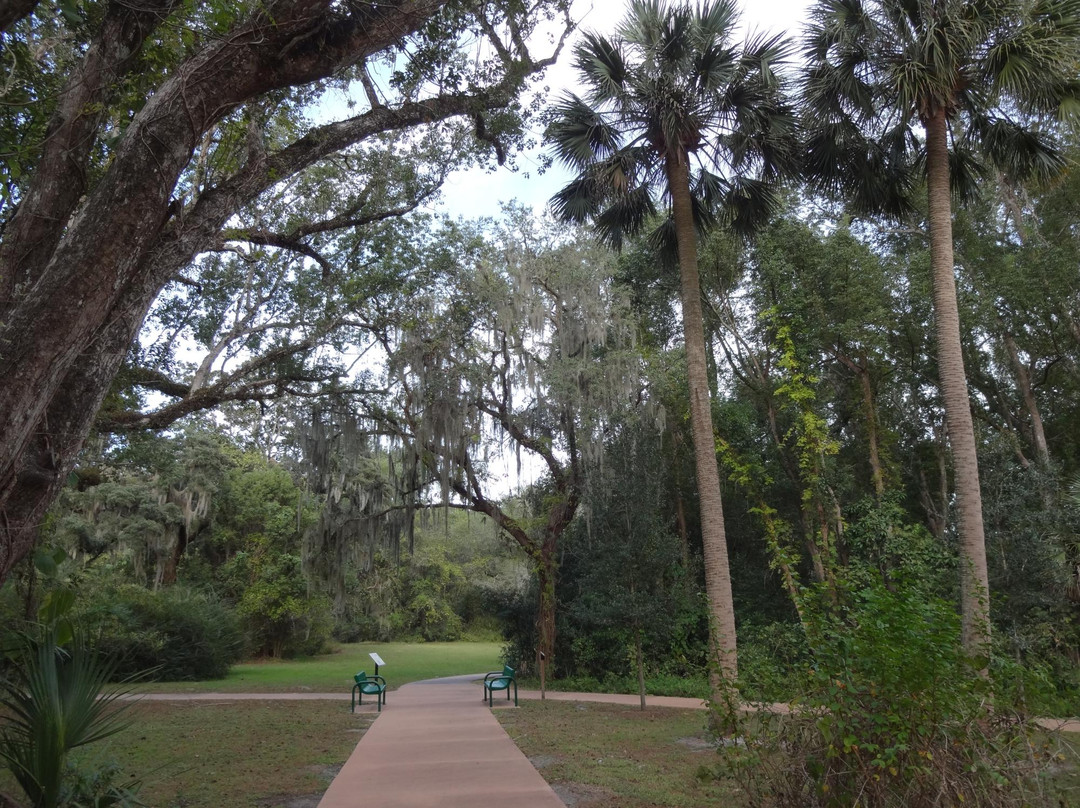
(500, 680)
(372, 686)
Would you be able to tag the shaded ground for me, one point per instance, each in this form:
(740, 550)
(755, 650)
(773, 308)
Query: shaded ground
(271, 754)
(605, 755)
(614, 756)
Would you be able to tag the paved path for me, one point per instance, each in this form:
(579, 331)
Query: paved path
(437, 745)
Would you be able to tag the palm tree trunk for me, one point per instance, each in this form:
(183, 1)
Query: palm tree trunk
(714, 540)
(974, 584)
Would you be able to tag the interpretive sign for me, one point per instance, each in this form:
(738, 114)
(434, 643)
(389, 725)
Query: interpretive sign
(377, 660)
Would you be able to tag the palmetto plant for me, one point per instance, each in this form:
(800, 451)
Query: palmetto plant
(52, 702)
(898, 91)
(679, 130)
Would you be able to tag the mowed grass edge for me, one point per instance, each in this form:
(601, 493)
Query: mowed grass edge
(333, 672)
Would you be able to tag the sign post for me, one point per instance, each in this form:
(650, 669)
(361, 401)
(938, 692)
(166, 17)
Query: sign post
(378, 661)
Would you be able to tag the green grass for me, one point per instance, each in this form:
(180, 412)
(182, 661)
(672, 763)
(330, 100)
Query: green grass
(333, 672)
(688, 686)
(207, 755)
(613, 756)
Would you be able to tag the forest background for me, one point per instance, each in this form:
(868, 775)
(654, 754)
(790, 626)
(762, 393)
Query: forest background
(302, 439)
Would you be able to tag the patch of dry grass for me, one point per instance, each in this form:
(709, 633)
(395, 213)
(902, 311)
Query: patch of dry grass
(614, 756)
(214, 754)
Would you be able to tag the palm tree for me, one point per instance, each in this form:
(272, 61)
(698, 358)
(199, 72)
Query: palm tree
(676, 117)
(947, 90)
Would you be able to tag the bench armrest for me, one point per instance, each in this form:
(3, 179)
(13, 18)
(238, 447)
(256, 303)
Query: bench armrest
(493, 675)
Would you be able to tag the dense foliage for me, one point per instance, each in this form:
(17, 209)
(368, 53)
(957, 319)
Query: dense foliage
(323, 414)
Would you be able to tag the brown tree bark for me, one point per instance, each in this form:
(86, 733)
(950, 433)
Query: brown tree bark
(861, 369)
(78, 305)
(680, 526)
(722, 644)
(1023, 382)
(11, 11)
(974, 583)
(61, 180)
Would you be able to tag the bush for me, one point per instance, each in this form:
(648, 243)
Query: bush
(894, 715)
(182, 635)
(772, 659)
(53, 703)
(282, 619)
(100, 786)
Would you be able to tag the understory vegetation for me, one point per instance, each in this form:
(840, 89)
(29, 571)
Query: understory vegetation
(777, 402)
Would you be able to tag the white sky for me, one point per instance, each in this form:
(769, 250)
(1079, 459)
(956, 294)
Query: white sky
(477, 192)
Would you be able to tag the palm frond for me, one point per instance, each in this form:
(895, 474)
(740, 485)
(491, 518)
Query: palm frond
(643, 25)
(966, 172)
(713, 23)
(579, 134)
(748, 205)
(1019, 152)
(669, 85)
(603, 66)
(577, 202)
(53, 704)
(711, 188)
(714, 67)
(625, 215)
(663, 241)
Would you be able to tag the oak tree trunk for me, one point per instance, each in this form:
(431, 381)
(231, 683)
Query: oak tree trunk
(79, 272)
(545, 624)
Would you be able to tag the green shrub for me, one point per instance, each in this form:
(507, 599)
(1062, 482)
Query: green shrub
(281, 618)
(52, 702)
(772, 660)
(179, 634)
(893, 716)
(100, 786)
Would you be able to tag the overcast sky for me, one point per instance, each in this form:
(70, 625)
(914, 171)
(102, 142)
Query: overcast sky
(479, 193)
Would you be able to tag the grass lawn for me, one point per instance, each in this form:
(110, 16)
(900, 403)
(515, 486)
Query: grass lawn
(613, 756)
(333, 672)
(257, 754)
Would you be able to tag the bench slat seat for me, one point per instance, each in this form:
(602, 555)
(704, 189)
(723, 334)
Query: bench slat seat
(370, 685)
(500, 680)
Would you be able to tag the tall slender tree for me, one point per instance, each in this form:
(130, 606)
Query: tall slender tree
(895, 91)
(676, 116)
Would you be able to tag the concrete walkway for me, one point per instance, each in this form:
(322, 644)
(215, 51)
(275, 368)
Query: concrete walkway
(437, 745)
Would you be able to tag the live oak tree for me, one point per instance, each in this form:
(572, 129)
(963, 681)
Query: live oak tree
(900, 91)
(675, 113)
(523, 351)
(135, 136)
(280, 307)
(150, 514)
